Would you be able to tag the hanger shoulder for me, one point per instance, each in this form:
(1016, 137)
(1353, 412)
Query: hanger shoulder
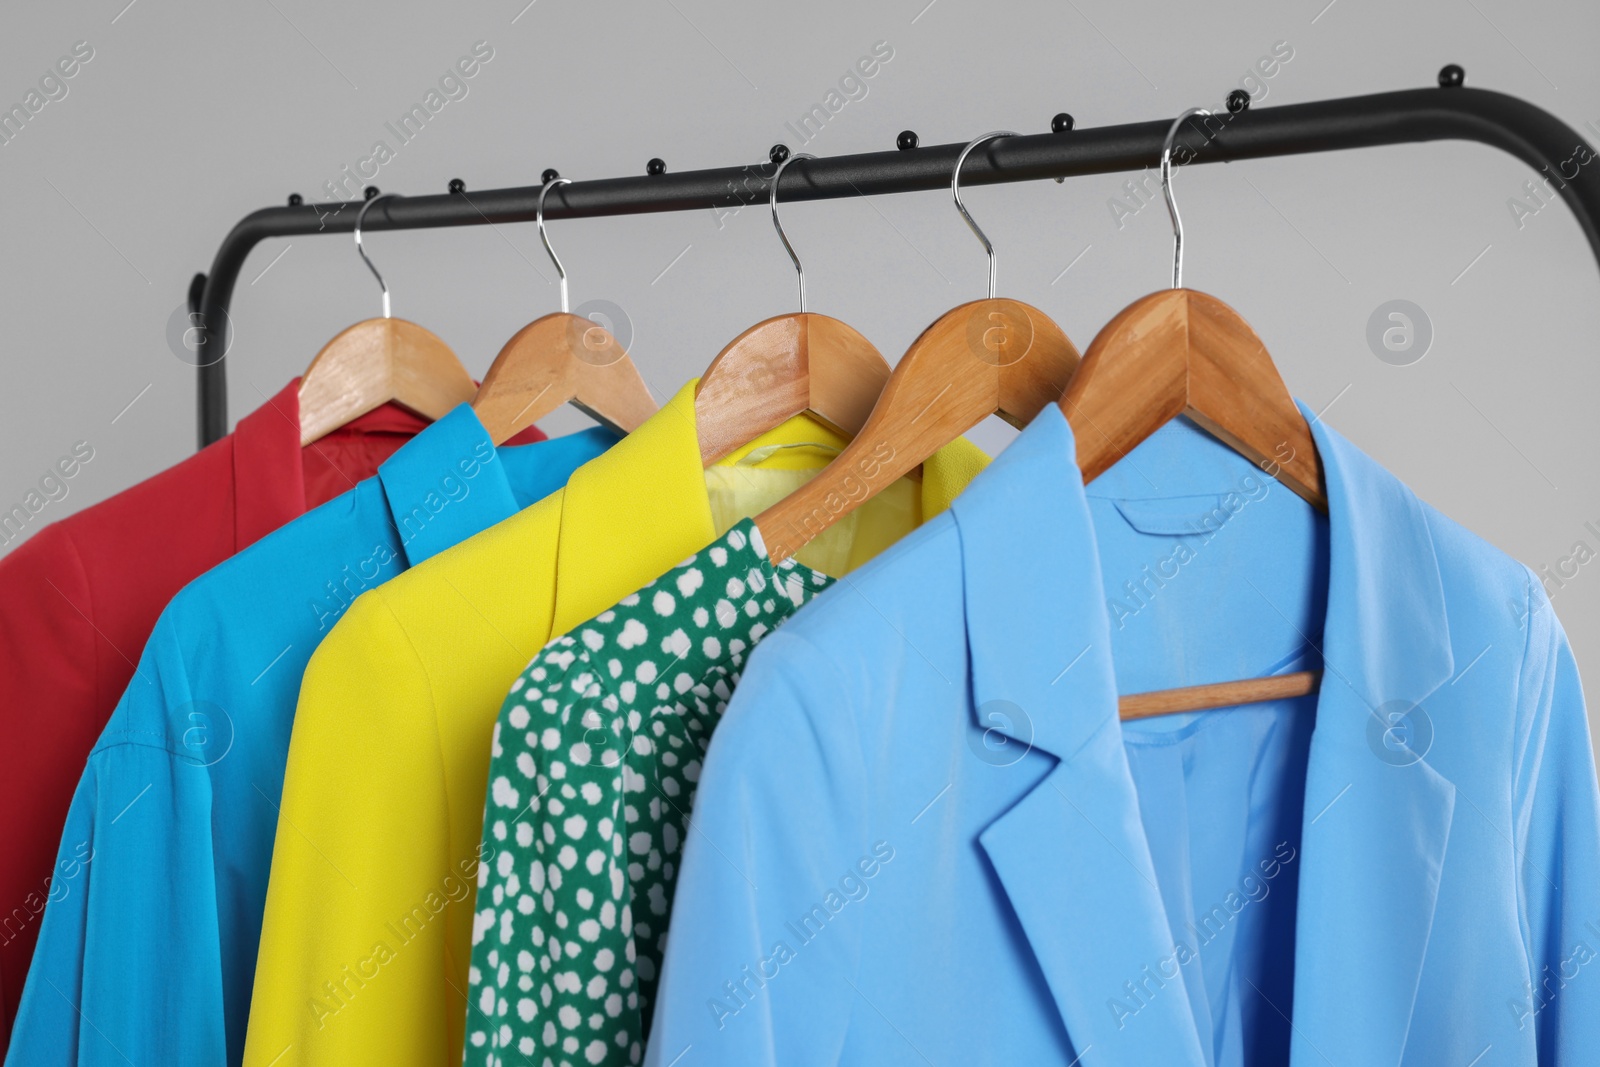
(1182, 352)
(845, 371)
(606, 381)
(1035, 359)
(986, 357)
(558, 359)
(779, 368)
(1237, 394)
(428, 377)
(1133, 380)
(372, 363)
(756, 382)
(524, 383)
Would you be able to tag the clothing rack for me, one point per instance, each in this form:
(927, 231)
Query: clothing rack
(1451, 111)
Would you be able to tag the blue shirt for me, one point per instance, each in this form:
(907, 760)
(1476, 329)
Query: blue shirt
(922, 835)
(147, 949)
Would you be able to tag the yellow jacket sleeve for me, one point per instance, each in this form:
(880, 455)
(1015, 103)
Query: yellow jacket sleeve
(356, 940)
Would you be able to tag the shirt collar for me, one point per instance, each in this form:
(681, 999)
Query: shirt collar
(269, 469)
(445, 484)
(653, 483)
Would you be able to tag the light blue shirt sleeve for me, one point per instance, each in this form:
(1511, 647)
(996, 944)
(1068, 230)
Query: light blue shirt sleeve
(1557, 833)
(783, 748)
(133, 902)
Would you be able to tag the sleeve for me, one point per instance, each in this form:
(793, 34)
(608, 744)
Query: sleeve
(47, 1022)
(1557, 833)
(781, 808)
(49, 722)
(127, 965)
(353, 964)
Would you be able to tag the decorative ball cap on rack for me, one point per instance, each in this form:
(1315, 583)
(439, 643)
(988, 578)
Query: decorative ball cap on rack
(1061, 123)
(1238, 101)
(906, 141)
(656, 167)
(295, 200)
(1452, 76)
(778, 153)
(369, 192)
(550, 174)
(457, 185)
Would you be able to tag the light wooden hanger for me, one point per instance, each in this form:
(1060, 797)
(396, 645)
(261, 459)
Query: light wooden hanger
(988, 357)
(1182, 352)
(786, 365)
(377, 361)
(558, 359)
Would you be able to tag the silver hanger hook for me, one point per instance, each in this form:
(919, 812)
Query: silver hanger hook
(798, 269)
(955, 191)
(538, 217)
(1166, 190)
(360, 217)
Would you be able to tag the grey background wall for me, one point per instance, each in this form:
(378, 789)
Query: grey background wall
(189, 114)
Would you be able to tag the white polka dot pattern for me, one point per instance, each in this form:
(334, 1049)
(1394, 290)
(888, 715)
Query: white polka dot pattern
(594, 764)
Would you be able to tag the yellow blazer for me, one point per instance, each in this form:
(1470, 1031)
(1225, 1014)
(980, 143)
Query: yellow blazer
(368, 927)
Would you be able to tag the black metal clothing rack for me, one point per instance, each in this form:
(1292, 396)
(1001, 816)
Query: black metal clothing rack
(1452, 111)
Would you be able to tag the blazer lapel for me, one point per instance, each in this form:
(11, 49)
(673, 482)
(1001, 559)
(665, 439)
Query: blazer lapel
(1071, 855)
(652, 476)
(1377, 816)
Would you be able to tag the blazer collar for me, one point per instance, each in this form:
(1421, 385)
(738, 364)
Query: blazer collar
(1377, 815)
(444, 485)
(647, 489)
(269, 487)
(1036, 624)
(1072, 855)
(1387, 627)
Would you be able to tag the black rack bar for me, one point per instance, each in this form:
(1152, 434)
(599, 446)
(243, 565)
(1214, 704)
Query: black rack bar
(1526, 131)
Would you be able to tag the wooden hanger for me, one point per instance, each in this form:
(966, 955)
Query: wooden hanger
(558, 359)
(988, 357)
(786, 365)
(1182, 352)
(378, 361)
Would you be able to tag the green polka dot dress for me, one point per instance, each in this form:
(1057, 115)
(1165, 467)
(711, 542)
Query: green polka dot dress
(596, 754)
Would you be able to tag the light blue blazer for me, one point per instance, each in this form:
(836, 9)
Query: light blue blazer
(923, 836)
